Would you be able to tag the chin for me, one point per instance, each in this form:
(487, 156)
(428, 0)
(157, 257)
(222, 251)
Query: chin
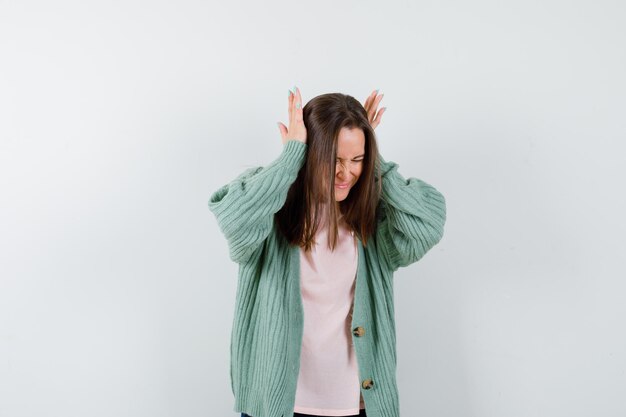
(340, 197)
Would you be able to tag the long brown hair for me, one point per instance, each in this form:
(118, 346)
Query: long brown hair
(298, 219)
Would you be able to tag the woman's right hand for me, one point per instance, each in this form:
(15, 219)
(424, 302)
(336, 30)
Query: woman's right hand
(296, 129)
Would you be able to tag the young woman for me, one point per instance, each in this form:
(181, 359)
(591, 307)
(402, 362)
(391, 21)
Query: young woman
(317, 235)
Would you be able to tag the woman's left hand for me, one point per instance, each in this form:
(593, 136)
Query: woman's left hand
(371, 107)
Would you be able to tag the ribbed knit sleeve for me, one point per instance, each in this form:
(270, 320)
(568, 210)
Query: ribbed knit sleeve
(245, 207)
(412, 219)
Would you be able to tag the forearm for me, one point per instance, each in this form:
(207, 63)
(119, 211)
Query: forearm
(244, 207)
(414, 214)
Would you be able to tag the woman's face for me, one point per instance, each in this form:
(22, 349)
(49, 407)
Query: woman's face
(350, 156)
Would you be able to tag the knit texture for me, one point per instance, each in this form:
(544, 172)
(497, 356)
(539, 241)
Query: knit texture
(267, 329)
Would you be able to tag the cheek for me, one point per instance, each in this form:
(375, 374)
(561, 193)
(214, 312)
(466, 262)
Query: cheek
(357, 172)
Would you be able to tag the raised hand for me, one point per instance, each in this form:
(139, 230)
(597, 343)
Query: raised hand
(371, 107)
(296, 129)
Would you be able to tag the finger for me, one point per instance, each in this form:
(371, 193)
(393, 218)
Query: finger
(368, 100)
(378, 117)
(371, 110)
(290, 109)
(288, 101)
(378, 98)
(374, 107)
(298, 105)
(283, 130)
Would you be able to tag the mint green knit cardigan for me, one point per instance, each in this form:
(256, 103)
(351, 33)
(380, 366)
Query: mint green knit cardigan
(267, 330)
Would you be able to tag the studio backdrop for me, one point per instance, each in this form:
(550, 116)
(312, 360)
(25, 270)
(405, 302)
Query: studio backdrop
(118, 119)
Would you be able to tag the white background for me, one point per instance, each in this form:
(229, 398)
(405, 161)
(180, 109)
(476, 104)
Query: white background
(118, 119)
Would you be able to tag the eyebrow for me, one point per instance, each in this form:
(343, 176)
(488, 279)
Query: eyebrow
(358, 156)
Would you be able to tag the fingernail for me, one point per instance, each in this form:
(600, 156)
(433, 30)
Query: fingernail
(289, 94)
(297, 105)
(376, 91)
(294, 89)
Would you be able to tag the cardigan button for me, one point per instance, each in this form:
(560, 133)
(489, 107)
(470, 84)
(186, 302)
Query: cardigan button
(367, 383)
(358, 331)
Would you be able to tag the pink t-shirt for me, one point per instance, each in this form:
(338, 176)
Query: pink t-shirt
(328, 383)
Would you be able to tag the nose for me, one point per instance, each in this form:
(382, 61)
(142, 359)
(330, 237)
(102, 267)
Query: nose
(343, 167)
(342, 170)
